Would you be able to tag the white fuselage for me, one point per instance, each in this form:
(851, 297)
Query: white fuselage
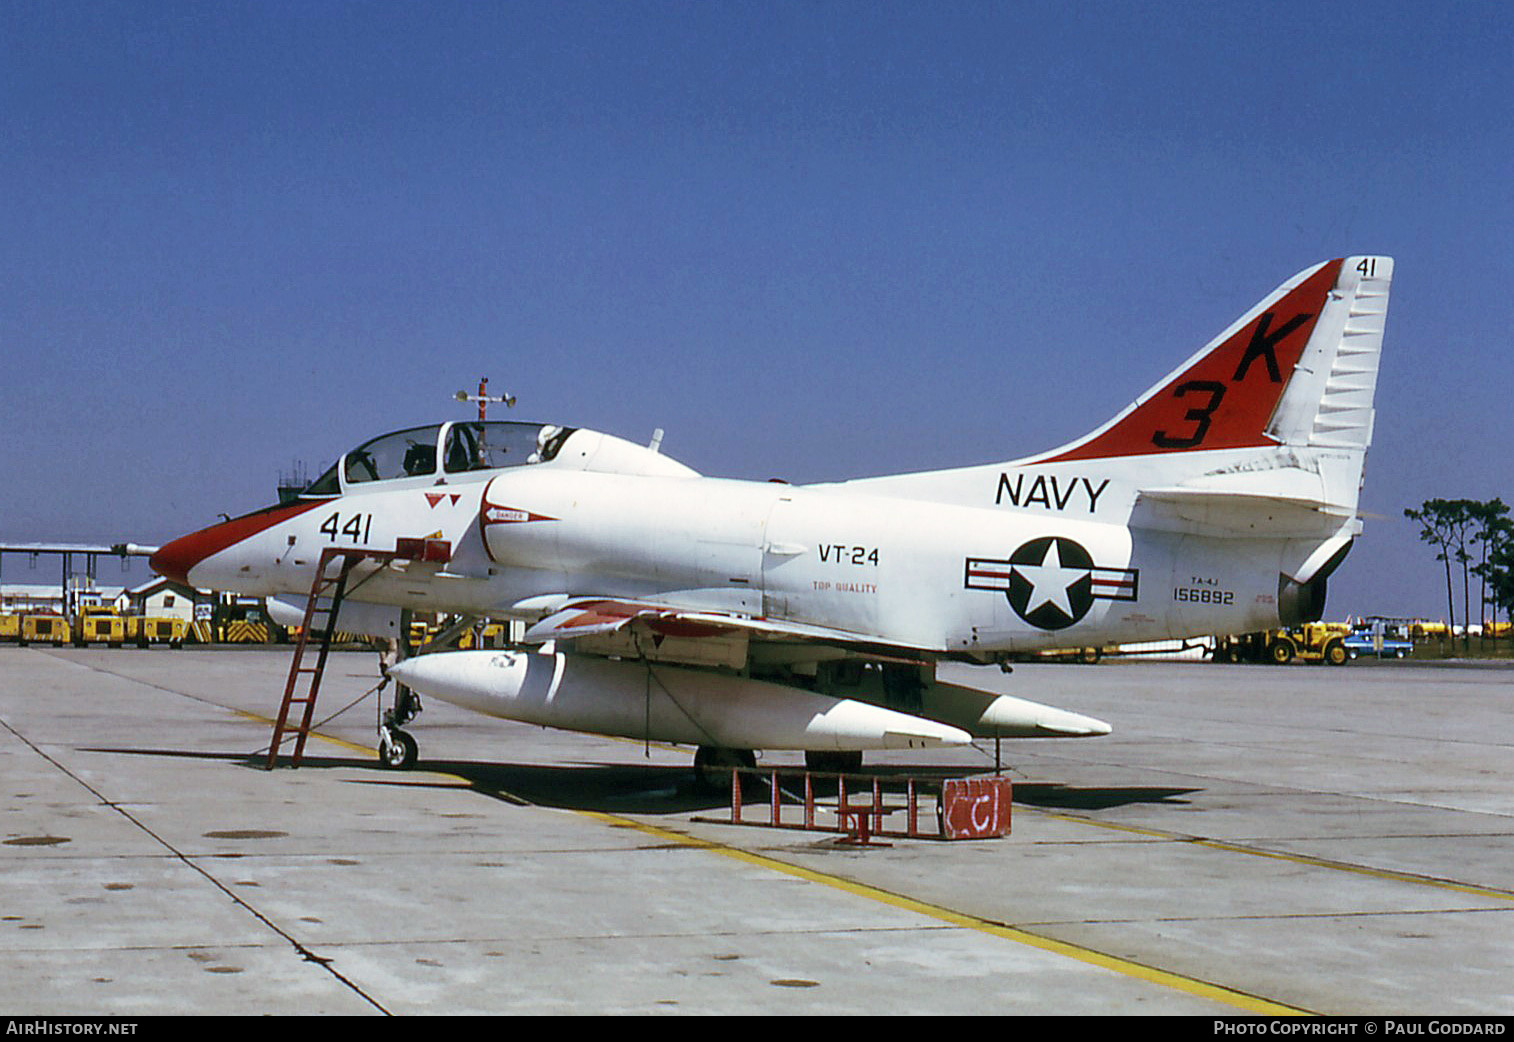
(937, 577)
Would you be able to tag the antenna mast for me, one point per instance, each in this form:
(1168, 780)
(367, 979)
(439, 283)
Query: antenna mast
(483, 398)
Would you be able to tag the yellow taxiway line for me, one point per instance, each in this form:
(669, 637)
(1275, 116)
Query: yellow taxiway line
(1251, 1004)
(1201, 989)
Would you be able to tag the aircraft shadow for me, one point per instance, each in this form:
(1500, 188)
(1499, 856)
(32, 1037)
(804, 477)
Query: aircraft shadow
(258, 759)
(605, 787)
(1052, 796)
(654, 788)
(635, 788)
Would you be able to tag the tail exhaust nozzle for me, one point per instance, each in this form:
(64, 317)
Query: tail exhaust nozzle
(1298, 603)
(1301, 602)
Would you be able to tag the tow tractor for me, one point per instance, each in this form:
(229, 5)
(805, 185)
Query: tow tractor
(1312, 642)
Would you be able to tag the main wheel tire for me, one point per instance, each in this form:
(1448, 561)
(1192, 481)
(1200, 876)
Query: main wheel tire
(713, 764)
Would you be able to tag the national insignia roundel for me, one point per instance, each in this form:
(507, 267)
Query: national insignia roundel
(1051, 582)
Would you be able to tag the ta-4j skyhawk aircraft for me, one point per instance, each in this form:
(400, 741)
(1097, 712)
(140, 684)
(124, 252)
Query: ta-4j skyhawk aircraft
(663, 605)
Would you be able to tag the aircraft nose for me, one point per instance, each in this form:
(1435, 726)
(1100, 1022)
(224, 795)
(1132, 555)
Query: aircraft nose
(174, 560)
(177, 559)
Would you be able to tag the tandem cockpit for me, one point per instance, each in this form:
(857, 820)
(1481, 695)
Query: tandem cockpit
(466, 450)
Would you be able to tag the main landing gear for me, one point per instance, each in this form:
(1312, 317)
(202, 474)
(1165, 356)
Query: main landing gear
(712, 766)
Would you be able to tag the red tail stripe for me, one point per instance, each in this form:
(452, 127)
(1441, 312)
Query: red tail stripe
(1225, 399)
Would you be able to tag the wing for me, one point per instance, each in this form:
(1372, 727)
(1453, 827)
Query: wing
(598, 616)
(836, 662)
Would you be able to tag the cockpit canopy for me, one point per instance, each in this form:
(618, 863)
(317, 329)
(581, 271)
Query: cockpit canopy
(459, 447)
(445, 453)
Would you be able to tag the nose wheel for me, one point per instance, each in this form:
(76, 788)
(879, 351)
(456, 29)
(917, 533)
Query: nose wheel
(396, 748)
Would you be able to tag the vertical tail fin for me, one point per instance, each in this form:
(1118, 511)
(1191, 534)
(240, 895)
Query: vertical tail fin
(1300, 368)
(1266, 427)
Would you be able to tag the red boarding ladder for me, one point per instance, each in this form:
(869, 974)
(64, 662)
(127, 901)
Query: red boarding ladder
(976, 807)
(294, 693)
(428, 549)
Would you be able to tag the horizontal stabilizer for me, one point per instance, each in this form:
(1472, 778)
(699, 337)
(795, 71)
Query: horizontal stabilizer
(1224, 513)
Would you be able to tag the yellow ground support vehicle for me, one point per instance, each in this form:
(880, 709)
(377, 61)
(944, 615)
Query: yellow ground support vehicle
(44, 629)
(144, 630)
(246, 624)
(490, 635)
(423, 626)
(244, 631)
(10, 627)
(1312, 642)
(99, 626)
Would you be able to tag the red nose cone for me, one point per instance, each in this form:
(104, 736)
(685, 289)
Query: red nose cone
(178, 558)
(174, 560)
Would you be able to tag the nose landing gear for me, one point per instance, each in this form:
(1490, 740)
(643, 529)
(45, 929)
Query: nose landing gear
(397, 750)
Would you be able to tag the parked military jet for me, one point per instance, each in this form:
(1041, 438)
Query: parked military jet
(736, 615)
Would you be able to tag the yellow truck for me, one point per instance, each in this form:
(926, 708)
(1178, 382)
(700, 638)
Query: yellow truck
(1312, 642)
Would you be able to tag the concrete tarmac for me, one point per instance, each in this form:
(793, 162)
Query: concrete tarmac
(1250, 839)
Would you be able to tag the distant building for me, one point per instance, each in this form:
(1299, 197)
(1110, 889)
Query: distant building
(49, 598)
(21, 598)
(164, 599)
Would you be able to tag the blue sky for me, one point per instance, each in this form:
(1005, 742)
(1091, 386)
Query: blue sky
(810, 240)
